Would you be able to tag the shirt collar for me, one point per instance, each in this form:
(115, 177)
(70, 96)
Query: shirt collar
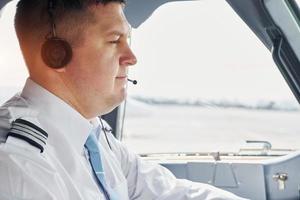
(54, 110)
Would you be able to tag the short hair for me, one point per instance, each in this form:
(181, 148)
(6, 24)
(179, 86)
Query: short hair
(32, 20)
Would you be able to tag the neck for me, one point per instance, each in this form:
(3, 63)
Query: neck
(57, 85)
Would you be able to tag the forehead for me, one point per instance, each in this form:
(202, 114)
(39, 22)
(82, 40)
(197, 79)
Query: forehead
(110, 18)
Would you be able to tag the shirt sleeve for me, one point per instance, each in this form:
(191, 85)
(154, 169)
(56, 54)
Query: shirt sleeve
(148, 180)
(24, 175)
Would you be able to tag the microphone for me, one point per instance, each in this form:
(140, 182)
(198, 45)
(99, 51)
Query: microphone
(134, 82)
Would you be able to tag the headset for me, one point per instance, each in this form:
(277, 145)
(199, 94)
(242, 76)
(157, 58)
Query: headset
(56, 52)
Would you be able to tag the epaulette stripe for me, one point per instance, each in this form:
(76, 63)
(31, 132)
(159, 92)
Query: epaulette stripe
(21, 121)
(22, 126)
(32, 142)
(27, 135)
(18, 131)
(27, 131)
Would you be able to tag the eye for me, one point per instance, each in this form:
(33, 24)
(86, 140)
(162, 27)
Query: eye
(114, 41)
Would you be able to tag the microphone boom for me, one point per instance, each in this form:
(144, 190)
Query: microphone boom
(134, 82)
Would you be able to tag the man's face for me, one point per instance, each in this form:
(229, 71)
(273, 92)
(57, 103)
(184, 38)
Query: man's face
(97, 74)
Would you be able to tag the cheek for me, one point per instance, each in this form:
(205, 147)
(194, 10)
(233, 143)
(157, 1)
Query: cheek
(108, 64)
(97, 65)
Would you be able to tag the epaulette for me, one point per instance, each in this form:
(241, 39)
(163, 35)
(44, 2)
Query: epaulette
(29, 132)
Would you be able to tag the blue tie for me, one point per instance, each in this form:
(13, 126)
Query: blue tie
(95, 159)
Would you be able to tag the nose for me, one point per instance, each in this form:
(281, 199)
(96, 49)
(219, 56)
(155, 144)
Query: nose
(128, 58)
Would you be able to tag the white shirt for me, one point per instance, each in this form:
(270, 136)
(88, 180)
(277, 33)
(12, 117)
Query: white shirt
(63, 172)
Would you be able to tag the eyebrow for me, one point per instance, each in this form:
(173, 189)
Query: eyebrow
(119, 32)
(115, 32)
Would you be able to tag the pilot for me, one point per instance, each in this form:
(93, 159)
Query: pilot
(53, 145)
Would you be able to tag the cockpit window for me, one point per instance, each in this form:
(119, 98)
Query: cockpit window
(13, 71)
(206, 84)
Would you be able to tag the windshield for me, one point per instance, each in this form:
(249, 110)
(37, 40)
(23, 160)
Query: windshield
(206, 83)
(13, 71)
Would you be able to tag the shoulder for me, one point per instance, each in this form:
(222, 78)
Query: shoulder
(22, 164)
(19, 126)
(28, 132)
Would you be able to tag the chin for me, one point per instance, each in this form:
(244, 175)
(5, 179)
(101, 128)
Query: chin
(114, 102)
(120, 99)
(108, 110)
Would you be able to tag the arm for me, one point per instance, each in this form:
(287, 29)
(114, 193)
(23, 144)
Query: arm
(151, 181)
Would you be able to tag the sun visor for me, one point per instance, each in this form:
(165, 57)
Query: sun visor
(138, 11)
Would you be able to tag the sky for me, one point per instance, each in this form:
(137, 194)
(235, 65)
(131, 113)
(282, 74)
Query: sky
(186, 50)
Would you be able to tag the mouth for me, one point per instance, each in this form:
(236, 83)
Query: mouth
(121, 77)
